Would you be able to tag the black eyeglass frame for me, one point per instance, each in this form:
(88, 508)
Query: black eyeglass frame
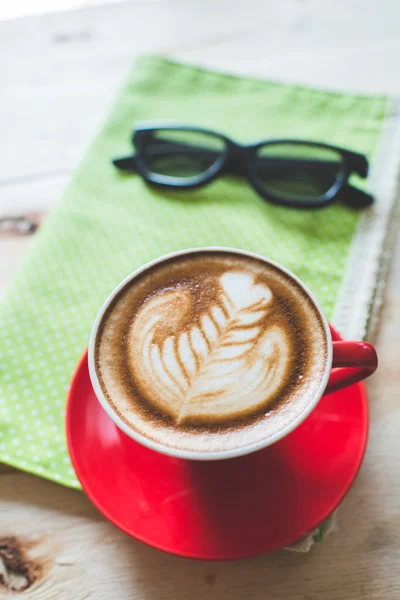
(240, 160)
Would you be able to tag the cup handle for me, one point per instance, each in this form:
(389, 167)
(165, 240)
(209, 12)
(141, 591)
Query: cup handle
(352, 362)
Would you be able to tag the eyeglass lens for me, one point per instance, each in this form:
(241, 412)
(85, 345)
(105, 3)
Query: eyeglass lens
(297, 171)
(180, 153)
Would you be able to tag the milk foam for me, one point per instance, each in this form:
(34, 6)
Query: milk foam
(210, 352)
(225, 363)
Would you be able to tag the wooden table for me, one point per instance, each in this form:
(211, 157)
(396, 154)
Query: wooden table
(59, 74)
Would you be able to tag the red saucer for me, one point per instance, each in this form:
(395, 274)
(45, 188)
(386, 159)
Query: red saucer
(225, 509)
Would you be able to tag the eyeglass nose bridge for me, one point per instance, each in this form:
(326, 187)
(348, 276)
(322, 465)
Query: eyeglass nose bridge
(236, 163)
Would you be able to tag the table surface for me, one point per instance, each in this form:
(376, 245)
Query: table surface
(59, 75)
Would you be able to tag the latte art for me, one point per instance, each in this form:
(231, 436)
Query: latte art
(210, 351)
(228, 362)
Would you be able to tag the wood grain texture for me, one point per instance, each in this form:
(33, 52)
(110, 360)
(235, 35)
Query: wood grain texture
(59, 75)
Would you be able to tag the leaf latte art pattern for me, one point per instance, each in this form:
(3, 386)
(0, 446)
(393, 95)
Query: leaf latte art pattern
(221, 364)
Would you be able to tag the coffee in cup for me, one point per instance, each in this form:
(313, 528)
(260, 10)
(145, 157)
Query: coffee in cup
(210, 353)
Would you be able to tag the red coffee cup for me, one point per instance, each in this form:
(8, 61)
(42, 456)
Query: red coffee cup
(347, 362)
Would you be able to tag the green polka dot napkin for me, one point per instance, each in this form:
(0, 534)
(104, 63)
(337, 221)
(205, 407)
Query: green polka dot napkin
(107, 224)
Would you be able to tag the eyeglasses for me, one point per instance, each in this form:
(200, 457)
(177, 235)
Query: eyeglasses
(287, 172)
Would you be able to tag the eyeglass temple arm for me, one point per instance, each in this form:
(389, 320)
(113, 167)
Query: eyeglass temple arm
(358, 163)
(355, 197)
(125, 163)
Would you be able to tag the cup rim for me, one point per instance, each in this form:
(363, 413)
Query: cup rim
(206, 455)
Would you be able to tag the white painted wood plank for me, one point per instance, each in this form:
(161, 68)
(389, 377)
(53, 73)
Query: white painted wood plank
(24, 8)
(31, 194)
